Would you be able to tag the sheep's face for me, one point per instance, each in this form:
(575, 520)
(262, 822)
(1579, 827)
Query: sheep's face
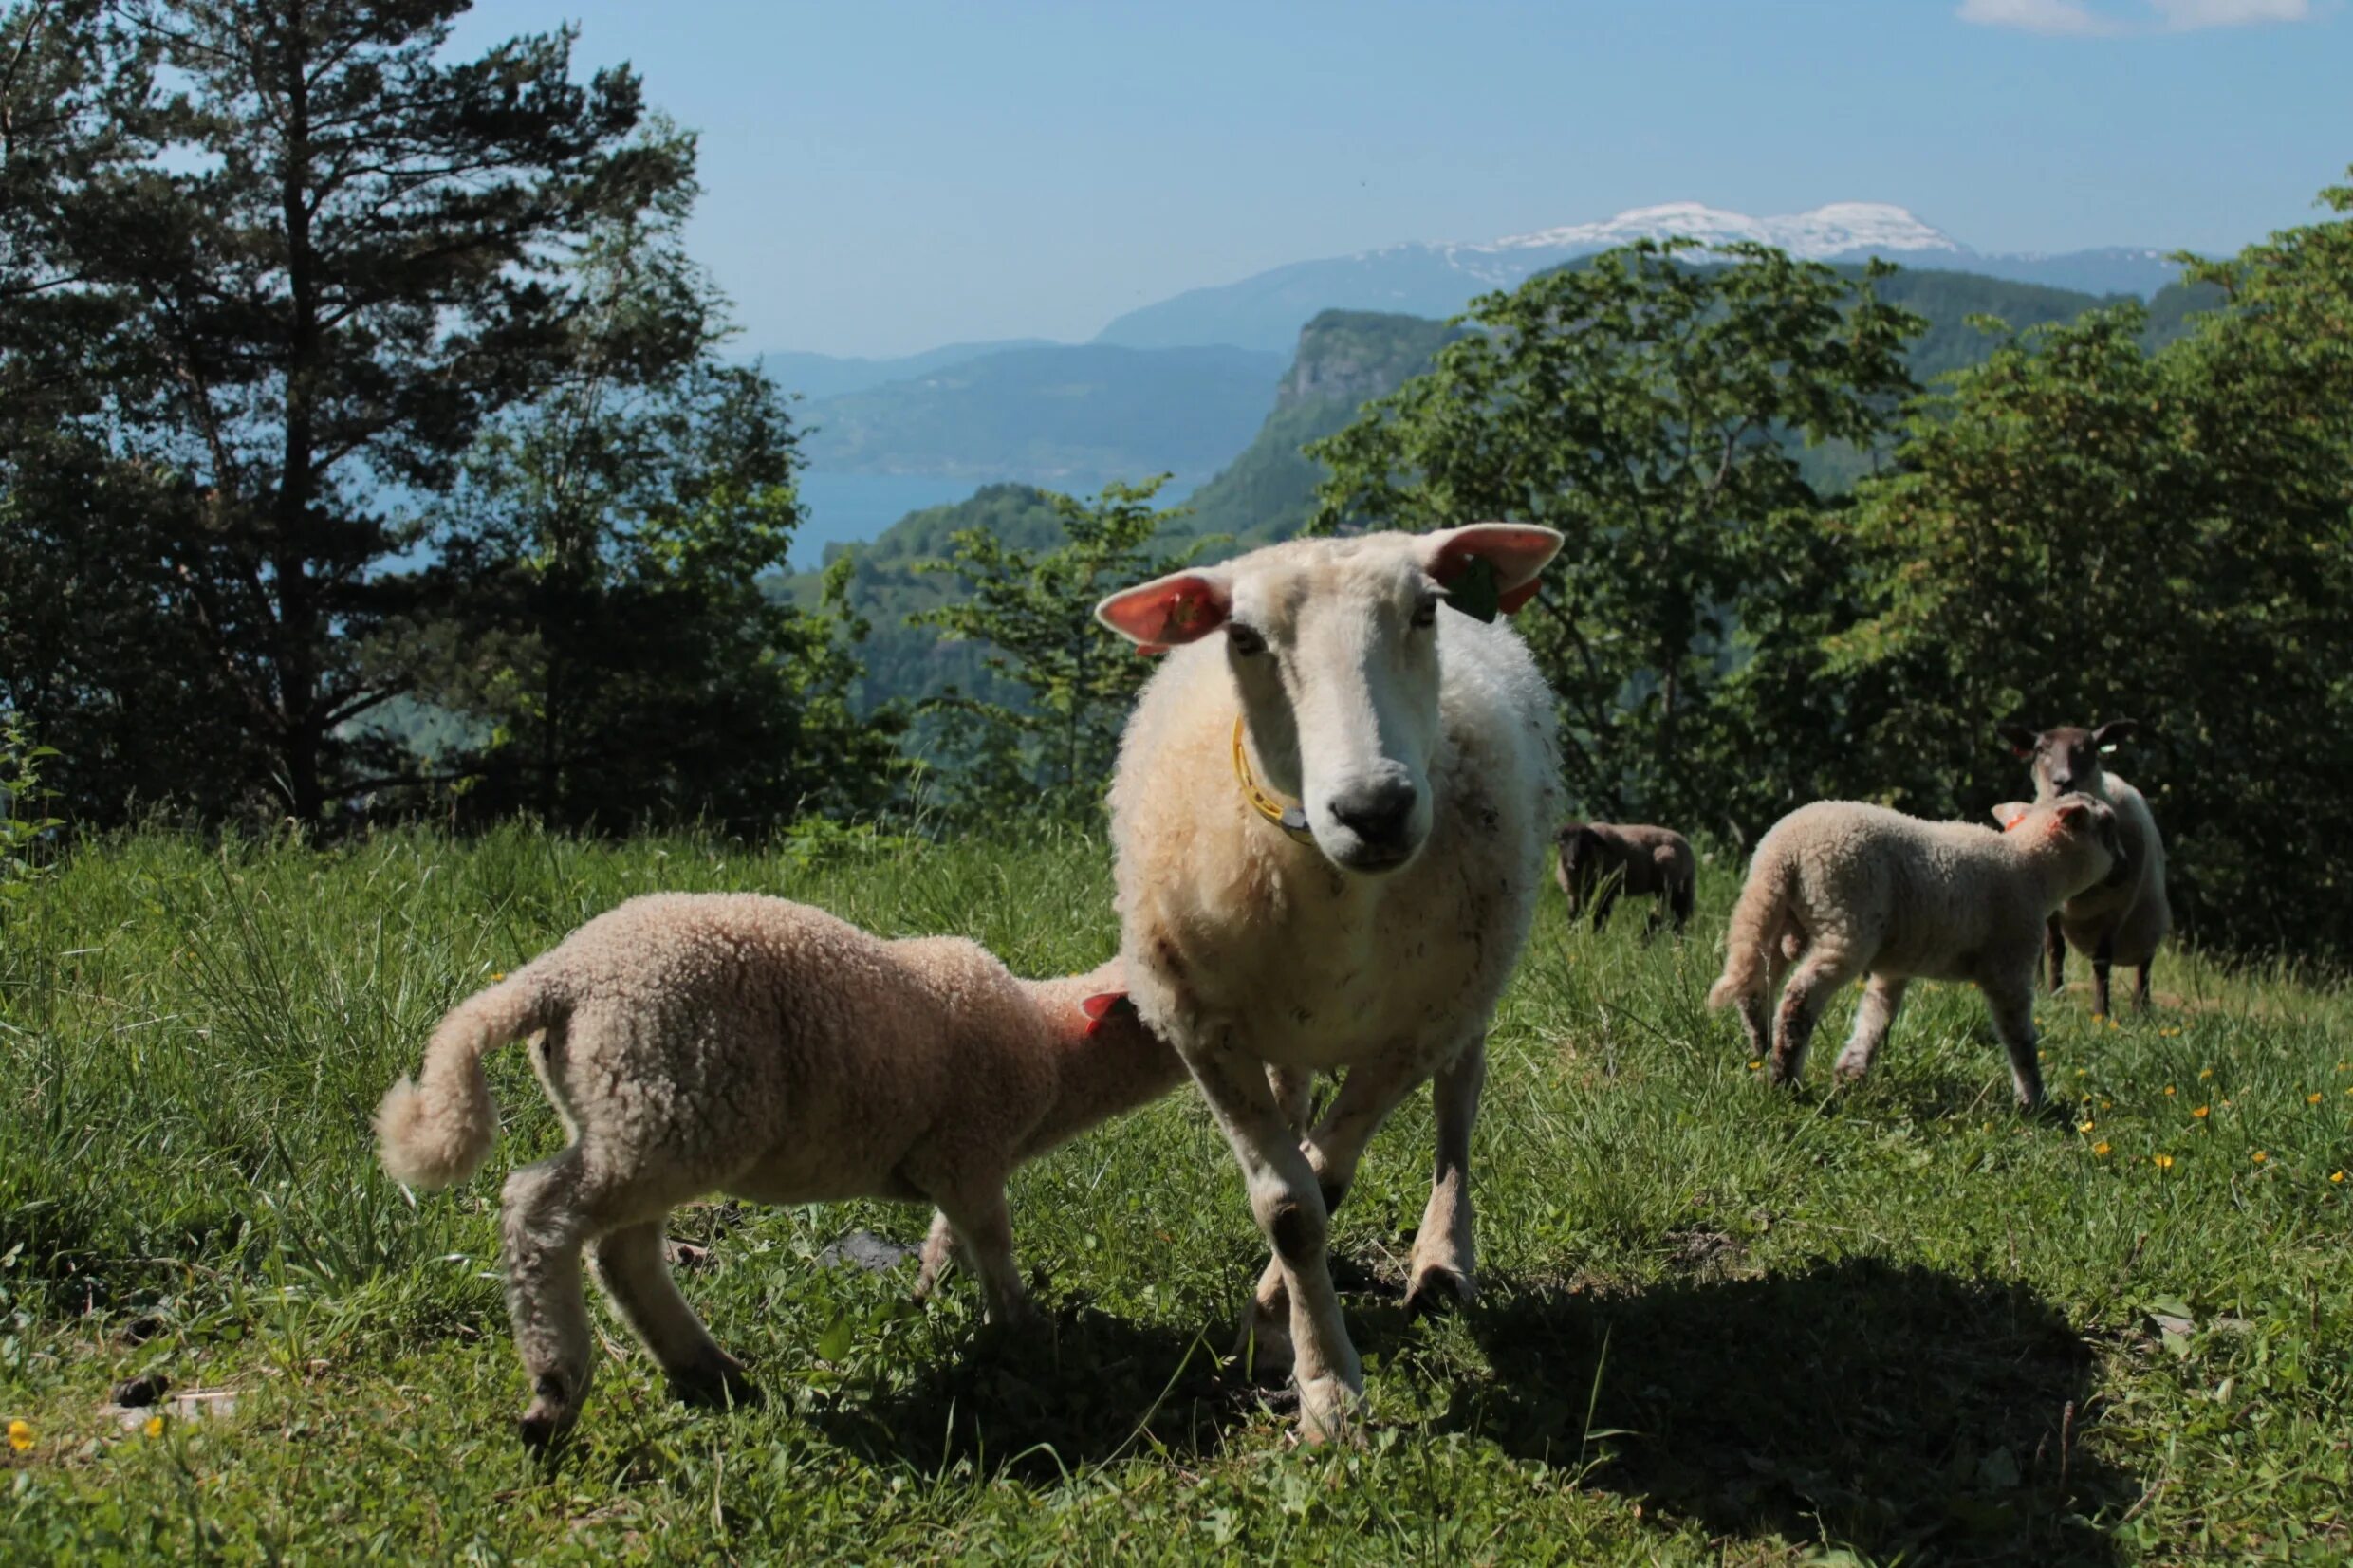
(1335, 648)
(2085, 825)
(2067, 758)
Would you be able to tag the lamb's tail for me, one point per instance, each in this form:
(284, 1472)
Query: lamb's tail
(1757, 926)
(433, 1131)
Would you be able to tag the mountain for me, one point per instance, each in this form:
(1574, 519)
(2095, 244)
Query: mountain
(829, 375)
(1071, 417)
(1266, 310)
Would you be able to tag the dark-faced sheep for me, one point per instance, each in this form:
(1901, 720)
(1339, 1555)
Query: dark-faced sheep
(2122, 922)
(1597, 862)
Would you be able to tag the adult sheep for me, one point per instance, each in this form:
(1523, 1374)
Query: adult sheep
(1369, 927)
(2124, 924)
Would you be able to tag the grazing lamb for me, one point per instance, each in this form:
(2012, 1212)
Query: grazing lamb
(698, 1043)
(1839, 889)
(1599, 860)
(2119, 924)
(1372, 924)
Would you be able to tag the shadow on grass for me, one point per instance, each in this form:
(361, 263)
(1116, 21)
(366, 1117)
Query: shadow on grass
(1029, 1406)
(1889, 1409)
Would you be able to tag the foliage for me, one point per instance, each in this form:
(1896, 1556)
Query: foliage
(25, 822)
(606, 543)
(1991, 1341)
(2085, 531)
(1643, 407)
(302, 281)
(1049, 752)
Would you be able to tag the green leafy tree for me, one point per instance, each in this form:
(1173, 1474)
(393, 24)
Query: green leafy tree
(336, 253)
(1051, 751)
(608, 542)
(1647, 408)
(2082, 529)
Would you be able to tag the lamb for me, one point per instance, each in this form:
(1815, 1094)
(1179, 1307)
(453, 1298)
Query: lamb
(1599, 860)
(2123, 923)
(1839, 889)
(699, 1044)
(1370, 925)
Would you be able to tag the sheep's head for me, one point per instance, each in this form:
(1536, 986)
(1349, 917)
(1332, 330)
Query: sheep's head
(1334, 645)
(2084, 826)
(2067, 758)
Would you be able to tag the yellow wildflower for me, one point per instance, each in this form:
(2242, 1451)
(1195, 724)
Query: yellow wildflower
(2165, 1162)
(2336, 1176)
(155, 1426)
(1754, 1065)
(2169, 1088)
(2107, 1106)
(498, 974)
(2202, 1112)
(2312, 1099)
(2205, 1072)
(2078, 1072)
(2083, 1126)
(2101, 1148)
(2260, 1156)
(20, 1435)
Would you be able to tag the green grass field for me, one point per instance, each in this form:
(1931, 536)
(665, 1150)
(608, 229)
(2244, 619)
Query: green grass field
(1717, 1324)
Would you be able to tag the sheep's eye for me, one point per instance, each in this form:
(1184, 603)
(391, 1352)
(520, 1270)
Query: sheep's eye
(1426, 612)
(1244, 640)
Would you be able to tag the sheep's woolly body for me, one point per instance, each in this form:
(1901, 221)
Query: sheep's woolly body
(1839, 889)
(2136, 917)
(1645, 860)
(696, 1043)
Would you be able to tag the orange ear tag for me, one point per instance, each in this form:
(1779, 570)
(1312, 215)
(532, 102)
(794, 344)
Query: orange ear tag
(1100, 1009)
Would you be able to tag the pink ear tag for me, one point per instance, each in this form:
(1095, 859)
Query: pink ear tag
(1104, 1006)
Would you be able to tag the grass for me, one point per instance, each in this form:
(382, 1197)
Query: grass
(1899, 1322)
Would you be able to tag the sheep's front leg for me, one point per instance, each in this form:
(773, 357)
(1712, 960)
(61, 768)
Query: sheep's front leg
(1287, 1202)
(630, 1267)
(1445, 1258)
(939, 1250)
(984, 1229)
(2055, 943)
(2101, 957)
(1882, 1000)
(2013, 1007)
(1826, 967)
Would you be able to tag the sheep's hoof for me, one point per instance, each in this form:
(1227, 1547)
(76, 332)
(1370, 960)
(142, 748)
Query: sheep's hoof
(1439, 1288)
(1849, 1072)
(715, 1383)
(1328, 1412)
(548, 1419)
(1264, 1346)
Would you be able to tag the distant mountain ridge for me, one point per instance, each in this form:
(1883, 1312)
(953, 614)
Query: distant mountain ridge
(1267, 310)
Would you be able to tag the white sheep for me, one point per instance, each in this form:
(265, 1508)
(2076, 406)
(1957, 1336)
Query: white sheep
(2123, 923)
(699, 1044)
(1372, 924)
(1839, 889)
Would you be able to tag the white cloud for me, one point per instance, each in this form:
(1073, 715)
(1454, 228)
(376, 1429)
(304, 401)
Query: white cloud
(2057, 18)
(2075, 19)
(2183, 15)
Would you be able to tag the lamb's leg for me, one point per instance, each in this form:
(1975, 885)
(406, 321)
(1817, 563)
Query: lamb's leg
(1287, 1202)
(2055, 942)
(1880, 1000)
(939, 1250)
(630, 1267)
(2099, 959)
(545, 1221)
(1444, 1267)
(984, 1229)
(2013, 1007)
(1294, 1091)
(1827, 967)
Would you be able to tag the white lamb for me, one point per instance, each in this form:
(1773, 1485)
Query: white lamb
(1839, 888)
(696, 1043)
(1371, 926)
(2124, 923)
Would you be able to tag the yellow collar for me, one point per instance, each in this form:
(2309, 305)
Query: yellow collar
(1291, 818)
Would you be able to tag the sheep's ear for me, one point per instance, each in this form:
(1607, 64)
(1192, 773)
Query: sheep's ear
(2021, 739)
(1180, 607)
(2074, 815)
(1516, 553)
(2010, 813)
(2109, 735)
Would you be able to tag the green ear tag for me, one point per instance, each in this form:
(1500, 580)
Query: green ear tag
(1473, 591)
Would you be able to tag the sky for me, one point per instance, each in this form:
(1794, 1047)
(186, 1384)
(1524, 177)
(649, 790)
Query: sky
(883, 177)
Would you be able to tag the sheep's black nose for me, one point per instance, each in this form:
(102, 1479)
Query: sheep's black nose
(1377, 811)
(2063, 781)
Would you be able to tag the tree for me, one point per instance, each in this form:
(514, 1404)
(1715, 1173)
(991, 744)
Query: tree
(1646, 407)
(334, 257)
(2081, 529)
(606, 543)
(1052, 751)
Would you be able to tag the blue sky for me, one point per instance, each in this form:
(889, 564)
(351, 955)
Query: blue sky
(883, 177)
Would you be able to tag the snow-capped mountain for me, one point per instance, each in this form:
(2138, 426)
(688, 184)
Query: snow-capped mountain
(1266, 311)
